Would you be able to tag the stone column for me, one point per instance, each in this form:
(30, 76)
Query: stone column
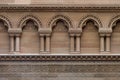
(48, 43)
(12, 47)
(102, 43)
(72, 48)
(42, 46)
(108, 43)
(17, 44)
(78, 43)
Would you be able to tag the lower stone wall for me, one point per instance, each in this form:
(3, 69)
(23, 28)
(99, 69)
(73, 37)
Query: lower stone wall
(59, 70)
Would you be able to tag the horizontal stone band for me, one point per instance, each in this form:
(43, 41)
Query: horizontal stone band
(60, 58)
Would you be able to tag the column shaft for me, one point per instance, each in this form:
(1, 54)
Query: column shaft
(102, 44)
(108, 43)
(42, 43)
(72, 44)
(78, 43)
(47, 43)
(12, 44)
(17, 43)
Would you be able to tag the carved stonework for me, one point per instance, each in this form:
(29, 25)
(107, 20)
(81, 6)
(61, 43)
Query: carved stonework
(84, 20)
(117, 28)
(66, 20)
(60, 27)
(30, 26)
(36, 21)
(3, 28)
(90, 27)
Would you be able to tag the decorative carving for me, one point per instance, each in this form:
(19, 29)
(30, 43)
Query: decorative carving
(66, 20)
(117, 28)
(85, 19)
(6, 22)
(3, 28)
(58, 8)
(83, 58)
(113, 21)
(60, 27)
(30, 26)
(37, 23)
(90, 27)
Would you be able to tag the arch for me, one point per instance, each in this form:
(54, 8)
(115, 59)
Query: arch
(23, 21)
(90, 39)
(60, 39)
(56, 18)
(6, 21)
(114, 21)
(29, 31)
(85, 19)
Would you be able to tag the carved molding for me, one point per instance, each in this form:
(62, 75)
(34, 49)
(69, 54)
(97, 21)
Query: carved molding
(6, 21)
(57, 8)
(60, 58)
(65, 19)
(23, 21)
(84, 20)
(113, 21)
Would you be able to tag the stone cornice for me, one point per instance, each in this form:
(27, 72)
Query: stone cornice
(57, 8)
(60, 58)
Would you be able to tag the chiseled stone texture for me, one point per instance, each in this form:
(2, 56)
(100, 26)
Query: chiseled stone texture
(59, 71)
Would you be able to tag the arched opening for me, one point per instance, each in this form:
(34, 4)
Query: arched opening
(115, 39)
(30, 38)
(60, 38)
(90, 38)
(4, 38)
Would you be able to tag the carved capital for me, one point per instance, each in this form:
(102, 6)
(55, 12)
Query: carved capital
(41, 35)
(72, 35)
(77, 35)
(108, 35)
(75, 31)
(105, 30)
(102, 34)
(11, 35)
(45, 31)
(15, 31)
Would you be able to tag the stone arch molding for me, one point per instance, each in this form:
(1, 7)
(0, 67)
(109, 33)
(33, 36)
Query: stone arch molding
(113, 21)
(84, 20)
(65, 19)
(6, 21)
(30, 17)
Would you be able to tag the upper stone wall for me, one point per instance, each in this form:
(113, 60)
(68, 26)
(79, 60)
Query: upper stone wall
(81, 2)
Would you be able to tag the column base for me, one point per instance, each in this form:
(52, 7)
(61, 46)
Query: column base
(105, 52)
(75, 52)
(44, 52)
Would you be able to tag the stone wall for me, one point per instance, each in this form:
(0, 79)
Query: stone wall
(59, 70)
